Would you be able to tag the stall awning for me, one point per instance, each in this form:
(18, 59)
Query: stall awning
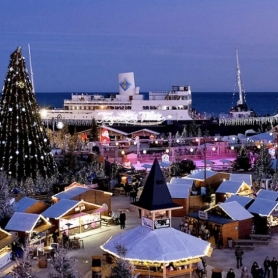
(7, 240)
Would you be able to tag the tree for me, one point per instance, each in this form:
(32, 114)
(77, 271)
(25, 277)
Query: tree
(23, 266)
(263, 163)
(63, 266)
(207, 197)
(24, 147)
(121, 268)
(94, 131)
(6, 204)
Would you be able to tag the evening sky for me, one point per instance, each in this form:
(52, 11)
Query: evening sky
(82, 45)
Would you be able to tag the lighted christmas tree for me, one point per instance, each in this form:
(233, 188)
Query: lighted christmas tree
(262, 167)
(24, 145)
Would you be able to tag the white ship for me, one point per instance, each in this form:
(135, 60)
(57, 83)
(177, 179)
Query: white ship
(127, 107)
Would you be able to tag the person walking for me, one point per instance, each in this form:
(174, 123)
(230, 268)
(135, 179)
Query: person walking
(254, 269)
(239, 253)
(122, 219)
(244, 273)
(230, 273)
(267, 267)
(274, 266)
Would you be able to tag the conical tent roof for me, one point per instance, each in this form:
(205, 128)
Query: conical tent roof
(160, 245)
(155, 194)
(24, 146)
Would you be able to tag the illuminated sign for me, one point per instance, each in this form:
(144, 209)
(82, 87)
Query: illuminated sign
(146, 222)
(162, 223)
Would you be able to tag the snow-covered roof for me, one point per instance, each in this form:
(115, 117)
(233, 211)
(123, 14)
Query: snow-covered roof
(268, 194)
(247, 178)
(235, 210)
(242, 200)
(229, 187)
(262, 207)
(145, 129)
(24, 203)
(113, 129)
(199, 175)
(71, 193)
(179, 190)
(59, 208)
(24, 222)
(159, 245)
(266, 136)
(181, 181)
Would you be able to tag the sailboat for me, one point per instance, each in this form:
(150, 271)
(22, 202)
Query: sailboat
(241, 109)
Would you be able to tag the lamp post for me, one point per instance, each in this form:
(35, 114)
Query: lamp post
(137, 143)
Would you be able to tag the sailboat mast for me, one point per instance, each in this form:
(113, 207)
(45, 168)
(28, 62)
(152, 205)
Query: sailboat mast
(240, 101)
(31, 70)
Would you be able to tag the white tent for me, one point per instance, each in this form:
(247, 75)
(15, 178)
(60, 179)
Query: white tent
(159, 245)
(266, 137)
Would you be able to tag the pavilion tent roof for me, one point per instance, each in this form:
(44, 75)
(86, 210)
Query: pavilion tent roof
(268, 194)
(159, 245)
(263, 207)
(179, 190)
(242, 200)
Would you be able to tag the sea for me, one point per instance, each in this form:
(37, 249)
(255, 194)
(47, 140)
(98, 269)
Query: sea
(211, 103)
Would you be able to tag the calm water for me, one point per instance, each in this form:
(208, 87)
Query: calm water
(211, 103)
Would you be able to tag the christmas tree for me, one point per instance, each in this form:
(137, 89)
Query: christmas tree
(24, 145)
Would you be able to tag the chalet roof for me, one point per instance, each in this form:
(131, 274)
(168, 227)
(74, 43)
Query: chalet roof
(229, 187)
(179, 190)
(155, 195)
(145, 129)
(242, 200)
(263, 207)
(199, 174)
(71, 193)
(213, 218)
(24, 203)
(235, 210)
(59, 208)
(241, 177)
(181, 181)
(24, 222)
(114, 130)
(268, 194)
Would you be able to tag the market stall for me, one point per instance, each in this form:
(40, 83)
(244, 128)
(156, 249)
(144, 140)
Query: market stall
(223, 221)
(154, 245)
(6, 240)
(74, 217)
(31, 229)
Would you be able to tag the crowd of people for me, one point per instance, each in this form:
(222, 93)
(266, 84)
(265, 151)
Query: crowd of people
(203, 230)
(256, 271)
